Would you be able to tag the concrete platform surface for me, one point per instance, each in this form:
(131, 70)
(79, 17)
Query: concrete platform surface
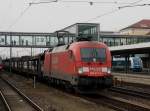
(133, 78)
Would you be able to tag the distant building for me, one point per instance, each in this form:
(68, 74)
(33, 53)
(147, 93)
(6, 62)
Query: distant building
(140, 28)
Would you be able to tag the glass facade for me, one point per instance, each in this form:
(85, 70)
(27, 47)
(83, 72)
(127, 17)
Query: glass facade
(93, 30)
(84, 30)
(19, 39)
(52, 40)
(80, 30)
(2, 40)
(117, 40)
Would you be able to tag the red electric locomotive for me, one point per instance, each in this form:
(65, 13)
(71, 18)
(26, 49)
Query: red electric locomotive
(84, 65)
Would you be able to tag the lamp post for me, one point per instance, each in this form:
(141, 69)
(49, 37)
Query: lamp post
(10, 52)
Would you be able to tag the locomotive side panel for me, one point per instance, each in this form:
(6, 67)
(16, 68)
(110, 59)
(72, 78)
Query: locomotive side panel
(47, 64)
(63, 66)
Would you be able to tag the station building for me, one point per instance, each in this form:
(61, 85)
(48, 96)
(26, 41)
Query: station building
(133, 34)
(136, 33)
(140, 28)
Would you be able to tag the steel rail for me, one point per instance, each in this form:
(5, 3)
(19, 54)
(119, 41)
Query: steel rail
(122, 105)
(114, 103)
(136, 93)
(38, 108)
(5, 101)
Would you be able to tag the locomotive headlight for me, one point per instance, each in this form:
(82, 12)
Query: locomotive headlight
(108, 70)
(104, 69)
(83, 69)
(80, 70)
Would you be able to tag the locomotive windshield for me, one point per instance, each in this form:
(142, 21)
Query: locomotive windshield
(93, 54)
(137, 61)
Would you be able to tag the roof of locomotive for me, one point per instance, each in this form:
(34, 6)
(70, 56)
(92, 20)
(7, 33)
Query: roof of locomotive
(77, 44)
(88, 43)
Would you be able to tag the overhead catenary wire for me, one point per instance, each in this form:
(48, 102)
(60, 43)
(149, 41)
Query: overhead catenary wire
(35, 3)
(20, 16)
(115, 10)
(22, 13)
(136, 2)
(104, 14)
(102, 2)
(90, 2)
(138, 5)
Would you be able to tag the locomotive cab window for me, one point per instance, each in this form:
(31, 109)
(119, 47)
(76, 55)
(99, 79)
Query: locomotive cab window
(93, 54)
(136, 61)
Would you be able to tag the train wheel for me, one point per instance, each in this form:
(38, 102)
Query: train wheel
(68, 87)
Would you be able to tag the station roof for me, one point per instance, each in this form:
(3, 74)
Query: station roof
(131, 49)
(77, 24)
(25, 33)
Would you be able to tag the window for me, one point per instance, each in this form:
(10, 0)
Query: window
(93, 54)
(136, 61)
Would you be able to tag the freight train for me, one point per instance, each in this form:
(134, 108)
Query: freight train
(1, 64)
(81, 66)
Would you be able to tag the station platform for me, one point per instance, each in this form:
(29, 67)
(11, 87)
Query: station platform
(133, 78)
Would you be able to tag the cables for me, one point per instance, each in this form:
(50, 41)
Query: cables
(90, 2)
(131, 4)
(119, 8)
(24, 11)
(20, 16)
(140, 5)
(104, 14)
(136, 2)
(35, 3)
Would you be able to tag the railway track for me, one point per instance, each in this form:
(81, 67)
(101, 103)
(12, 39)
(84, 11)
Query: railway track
(4, 105)
(115, 103)
(127, 91)
(16, 100)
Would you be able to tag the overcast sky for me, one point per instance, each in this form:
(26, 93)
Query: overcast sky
(17, 15)
(57, 15)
